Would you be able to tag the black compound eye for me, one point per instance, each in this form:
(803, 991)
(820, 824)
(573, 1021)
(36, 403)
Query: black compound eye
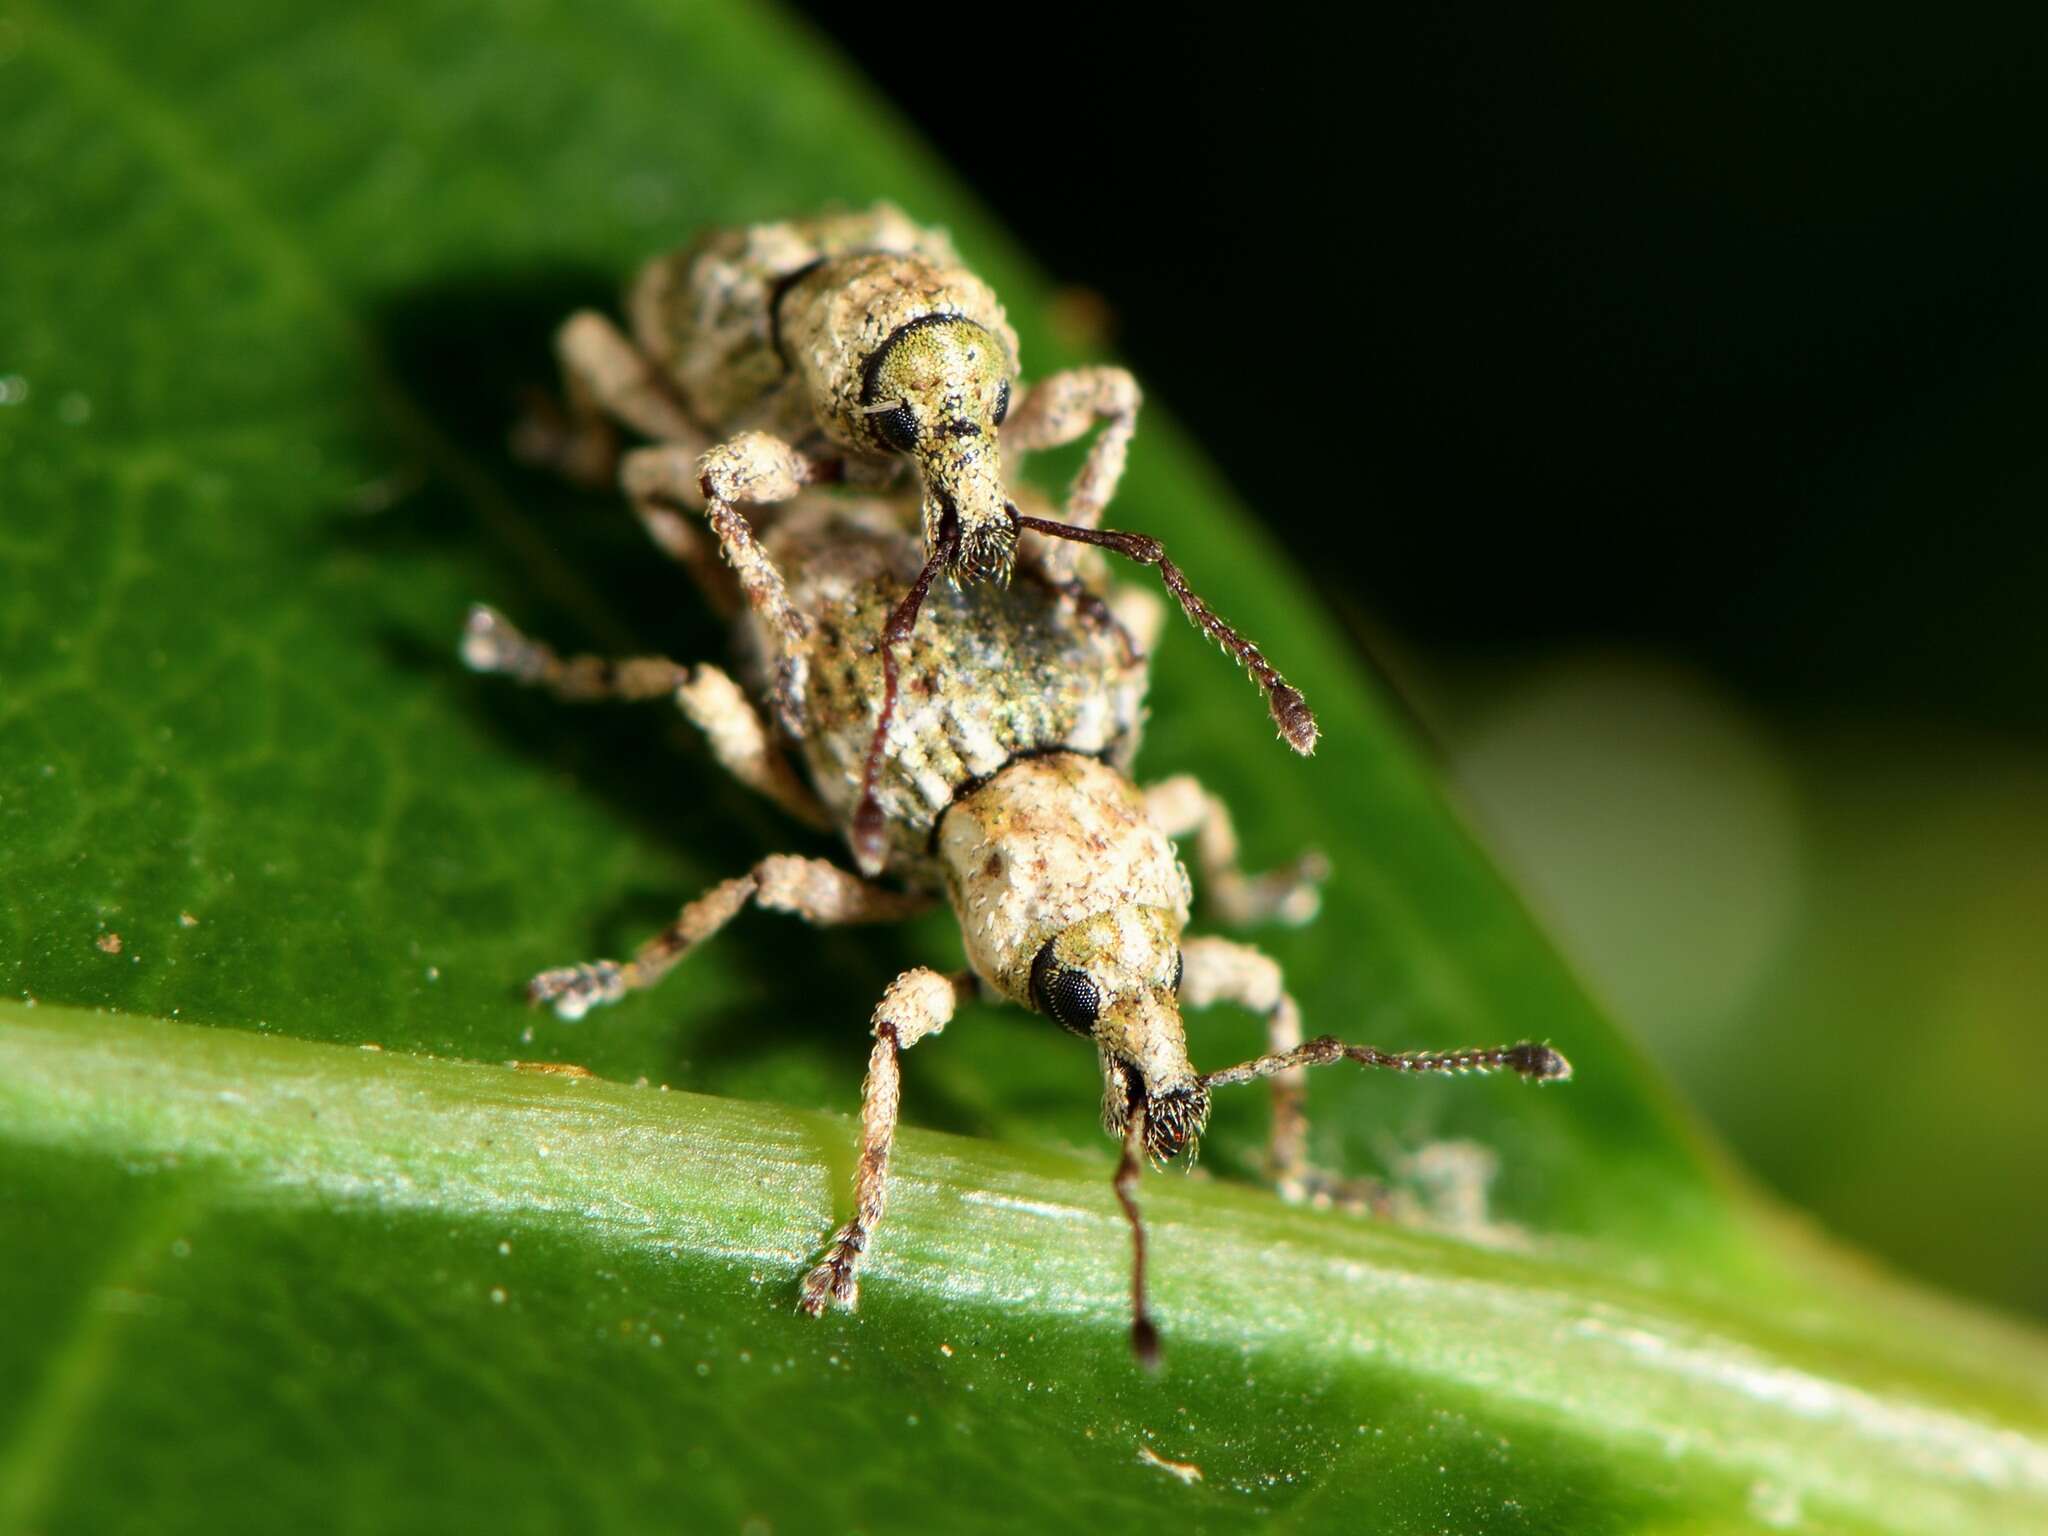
(1002, 402)
(897, 427)
(1074, 1000)
(1180, 967)
(1067, 995)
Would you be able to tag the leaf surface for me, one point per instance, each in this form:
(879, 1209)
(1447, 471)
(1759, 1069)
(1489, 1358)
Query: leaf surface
(276, 282)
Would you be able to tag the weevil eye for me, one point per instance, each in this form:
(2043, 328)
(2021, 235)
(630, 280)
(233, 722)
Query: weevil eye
(1064, 994)
(1180, 967)
(898, 427)
(1002, 402)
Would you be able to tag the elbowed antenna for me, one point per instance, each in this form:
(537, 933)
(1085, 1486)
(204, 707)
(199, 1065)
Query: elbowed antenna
(1290, 710)
(1537, 1062)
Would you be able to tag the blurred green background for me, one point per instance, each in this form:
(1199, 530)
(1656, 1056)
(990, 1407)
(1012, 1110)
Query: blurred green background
(1673, 380)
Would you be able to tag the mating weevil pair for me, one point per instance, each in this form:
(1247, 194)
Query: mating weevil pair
(982, 754)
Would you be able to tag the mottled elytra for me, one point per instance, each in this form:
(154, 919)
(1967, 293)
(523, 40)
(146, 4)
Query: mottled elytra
(982, 758)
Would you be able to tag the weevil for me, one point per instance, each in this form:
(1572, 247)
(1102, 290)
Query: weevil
(852, 346)
(1006, 791)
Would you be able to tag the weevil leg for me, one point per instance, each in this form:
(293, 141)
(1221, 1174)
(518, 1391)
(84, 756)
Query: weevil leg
(661, 485)
(812, 889)
(920, 1002)
(1220, 971)
(1179, 806)
(1061, 408)
(733, 728)
(739, 738)
(607, 382)
(752, 469)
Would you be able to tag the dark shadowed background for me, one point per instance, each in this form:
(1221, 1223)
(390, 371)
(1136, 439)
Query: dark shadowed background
(1659, 396)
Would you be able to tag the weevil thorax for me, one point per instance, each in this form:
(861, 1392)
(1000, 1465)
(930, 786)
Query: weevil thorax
(905, 355)
(1071, 903)
(708, 312)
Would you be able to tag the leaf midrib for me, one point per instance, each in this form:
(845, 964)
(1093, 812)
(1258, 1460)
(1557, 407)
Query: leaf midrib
(1561, 1344)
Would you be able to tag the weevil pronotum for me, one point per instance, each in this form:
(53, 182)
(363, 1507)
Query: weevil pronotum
(1005, 787)
(771, 357)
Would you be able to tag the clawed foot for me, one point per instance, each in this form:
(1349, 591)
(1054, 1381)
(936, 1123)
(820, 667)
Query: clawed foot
(573, 990)
(832, 1283)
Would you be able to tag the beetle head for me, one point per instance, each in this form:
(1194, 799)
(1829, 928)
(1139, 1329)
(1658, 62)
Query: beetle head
(938, 391)
(1115, 977)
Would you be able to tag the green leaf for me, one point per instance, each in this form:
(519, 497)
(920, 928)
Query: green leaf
(490, 1296)
(275, 283)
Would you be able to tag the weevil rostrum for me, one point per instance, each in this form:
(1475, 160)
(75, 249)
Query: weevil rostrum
(994, 743)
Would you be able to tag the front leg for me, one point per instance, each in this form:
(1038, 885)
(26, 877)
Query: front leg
(1060, 409)
(1179, 806)
(920, 1002)
(666, 486)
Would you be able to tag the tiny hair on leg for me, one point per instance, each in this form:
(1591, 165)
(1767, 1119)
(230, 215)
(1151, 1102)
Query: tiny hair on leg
(815, 890)
(920, 1002)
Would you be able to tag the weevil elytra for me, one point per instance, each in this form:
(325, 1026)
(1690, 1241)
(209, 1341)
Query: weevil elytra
(771, 357)
(1005, 789)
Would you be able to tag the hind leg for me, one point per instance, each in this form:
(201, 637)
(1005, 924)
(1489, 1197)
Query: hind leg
(733, 728)
(607, 383)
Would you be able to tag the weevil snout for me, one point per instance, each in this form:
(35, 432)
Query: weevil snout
(938, 391)
(1115, 978)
